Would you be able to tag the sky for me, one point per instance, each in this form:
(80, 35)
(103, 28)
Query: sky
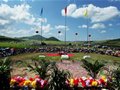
(19, 18)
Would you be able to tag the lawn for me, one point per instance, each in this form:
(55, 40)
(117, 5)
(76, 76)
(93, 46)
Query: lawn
(77, 56)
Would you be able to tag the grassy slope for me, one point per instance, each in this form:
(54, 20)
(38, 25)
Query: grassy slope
(8, 39)
(22, 44)
(113, 43)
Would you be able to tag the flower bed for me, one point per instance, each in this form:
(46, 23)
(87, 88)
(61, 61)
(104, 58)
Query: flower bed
(25, 83)
(37, 83)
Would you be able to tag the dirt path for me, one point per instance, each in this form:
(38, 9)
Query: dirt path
(74, 68)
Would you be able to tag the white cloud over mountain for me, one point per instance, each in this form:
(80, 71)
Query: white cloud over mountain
(95, 13)
(20, 14)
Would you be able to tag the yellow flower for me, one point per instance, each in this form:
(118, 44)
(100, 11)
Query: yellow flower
(71, 82)
(104, 78)
(12, 82)
(33, 84)
(27, 83)
(94, 83)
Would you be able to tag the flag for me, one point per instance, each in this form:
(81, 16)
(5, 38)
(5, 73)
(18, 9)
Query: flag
(65, 10)
(86, 13)
(41, 11)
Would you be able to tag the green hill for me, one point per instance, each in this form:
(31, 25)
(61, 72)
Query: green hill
(52, 39)
(38, 37)
(112, 43)
(4, 38)
(35, 37)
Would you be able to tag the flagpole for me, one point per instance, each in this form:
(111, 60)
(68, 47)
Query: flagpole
(41, 30)
(65, 29)
(86, 14)
(87, 33)
(41, 23)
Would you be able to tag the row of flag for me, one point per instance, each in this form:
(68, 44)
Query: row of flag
(85, 13)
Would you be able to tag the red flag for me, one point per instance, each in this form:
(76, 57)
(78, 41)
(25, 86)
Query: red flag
(65, 10)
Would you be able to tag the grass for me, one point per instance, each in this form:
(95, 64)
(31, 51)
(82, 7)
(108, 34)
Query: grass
(14, 44)
(28, 43)
(77, 56)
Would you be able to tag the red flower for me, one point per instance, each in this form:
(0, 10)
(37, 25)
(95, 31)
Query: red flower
(76, 81)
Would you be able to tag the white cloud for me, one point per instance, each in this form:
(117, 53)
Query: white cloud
(103, 31)
(96, 14)
(82, 26)
(5, 0)
(12, 32)
(98, 26)
(61, 27)
(45, 29)
(110, 25)
(17, 13)
(3, 22)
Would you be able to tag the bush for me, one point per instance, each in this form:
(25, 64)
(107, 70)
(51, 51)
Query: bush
(57, 79)
(116, 79)
(92, 68)
(5, 76)
(40, 67)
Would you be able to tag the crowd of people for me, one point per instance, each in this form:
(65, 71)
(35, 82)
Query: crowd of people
(4, 52)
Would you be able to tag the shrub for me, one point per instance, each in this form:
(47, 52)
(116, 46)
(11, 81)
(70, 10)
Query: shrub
(5, 76)
(116, 79)
(57, 79)
(40, 67)
(92, 68)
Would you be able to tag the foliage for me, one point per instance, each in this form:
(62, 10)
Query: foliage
(116, 79)
(57, 79)
(92, 68)
(5, 68)
(40, 67)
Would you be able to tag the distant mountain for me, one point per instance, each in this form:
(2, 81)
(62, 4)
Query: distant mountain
(38, 37)
(4, 38)
(35, 37)
(113, 43)
(52, 39)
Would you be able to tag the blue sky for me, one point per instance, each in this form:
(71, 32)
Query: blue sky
(20, 18)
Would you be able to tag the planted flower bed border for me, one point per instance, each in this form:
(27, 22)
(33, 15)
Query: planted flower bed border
(18, 83)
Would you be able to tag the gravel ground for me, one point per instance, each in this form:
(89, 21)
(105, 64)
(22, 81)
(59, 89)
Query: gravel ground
(74, 68)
